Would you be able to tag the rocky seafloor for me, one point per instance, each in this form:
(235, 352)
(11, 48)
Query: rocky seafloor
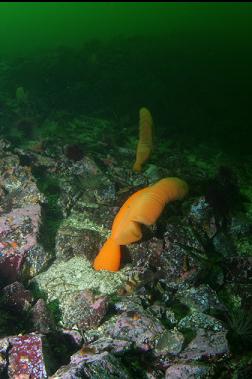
(179, 308)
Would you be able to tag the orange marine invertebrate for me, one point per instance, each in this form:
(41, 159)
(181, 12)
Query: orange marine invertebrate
(144, 146)
(143, 207)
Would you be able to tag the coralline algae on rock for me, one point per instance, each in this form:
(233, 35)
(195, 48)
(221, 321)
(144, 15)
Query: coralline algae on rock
(65, 279)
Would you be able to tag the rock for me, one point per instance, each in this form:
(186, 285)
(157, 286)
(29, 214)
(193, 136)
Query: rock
(239, 269)
(146, 255)
(158, 310)
(188, 371)
(240, 226)
(144, 331)
(74, 275)
(74, 336)
(139, 328)
(199, 320)
(128, 304)
(4, 346)
(20, 215)
(79, 236)
(26, 357)
(93, 366)
(65, 281)
(21, 223)
(201, 299)
(239, 279)
(154, 374)
(18, 184)
(170, 342)
(41, 318)
(70, 192)
(154, 173)
(115, 346)
(171, 317)
(105, 194)
(202, 215)
(10, 268)
(17, 297)
(179, 264)
(83, 184)
(18, 232)
(206, 345)
(83, 309)
(36, 261)
(223, 245)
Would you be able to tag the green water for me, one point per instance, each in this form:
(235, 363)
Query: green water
(27, 27)
(190, 63)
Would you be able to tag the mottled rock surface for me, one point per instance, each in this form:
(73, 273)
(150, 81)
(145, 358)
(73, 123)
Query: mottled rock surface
(188, 371)
(26, 357)
(20, 216)
(206, 345)
(90, 366)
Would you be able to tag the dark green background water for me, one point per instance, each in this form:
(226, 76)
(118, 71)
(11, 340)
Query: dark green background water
(190, 63)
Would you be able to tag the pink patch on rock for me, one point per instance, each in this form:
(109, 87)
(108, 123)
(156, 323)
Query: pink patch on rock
(26, 357)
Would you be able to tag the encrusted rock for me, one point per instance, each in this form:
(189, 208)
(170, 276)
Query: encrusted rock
(207, 345)
(188, 371)
(26, 357)
(18, 232)
(171, 317)
(41, 318)
(20, 216)
(17, 297)
(128, 304)
(199, 320)
(83, 309)
(202, 298)
(239, 269)
(146, 254)
(112, 345)
(77, 274)
(92, 366)
(4, 346)
(201, 214)
(36, 261)
(158, 310)
(81, 235)
(170, 342)
(179, 267)
(68, 280)
(83, 184)
(105, 194)
(142, 329)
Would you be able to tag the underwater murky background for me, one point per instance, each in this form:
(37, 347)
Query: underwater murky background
(73, 77)
(189, 63)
